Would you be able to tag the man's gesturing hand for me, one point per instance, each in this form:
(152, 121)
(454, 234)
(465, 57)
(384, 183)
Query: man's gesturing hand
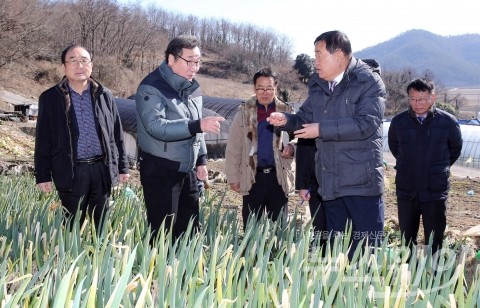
(309, 131)
(211, 124)
(277, 119)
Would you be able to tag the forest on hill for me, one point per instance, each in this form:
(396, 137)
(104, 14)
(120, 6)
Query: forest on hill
(454, 60)
(128, 41)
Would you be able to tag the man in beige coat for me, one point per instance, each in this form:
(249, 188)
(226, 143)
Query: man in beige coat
(259, 159)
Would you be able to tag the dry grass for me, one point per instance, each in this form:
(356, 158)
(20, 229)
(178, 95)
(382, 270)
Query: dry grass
(224, 87)
(19, 78)
(471, 106)
(30, 79)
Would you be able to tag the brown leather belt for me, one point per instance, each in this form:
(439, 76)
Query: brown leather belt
(90, 160)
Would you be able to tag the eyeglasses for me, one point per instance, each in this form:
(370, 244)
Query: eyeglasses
(262, 90)
(190, 63)
(77, 62)
(419, 100)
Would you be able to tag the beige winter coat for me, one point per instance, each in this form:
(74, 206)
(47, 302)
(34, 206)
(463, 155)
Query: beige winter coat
(241, 156)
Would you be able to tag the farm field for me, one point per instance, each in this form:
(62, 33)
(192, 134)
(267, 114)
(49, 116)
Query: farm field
(45, 263)
(273, 277)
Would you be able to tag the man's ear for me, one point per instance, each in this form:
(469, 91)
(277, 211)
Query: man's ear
(338, 54)
(171, 59)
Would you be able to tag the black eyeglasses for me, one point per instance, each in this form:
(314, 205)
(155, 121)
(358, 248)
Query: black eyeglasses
(262, 90)
(76, 62)
(190, 63)
(419, 100)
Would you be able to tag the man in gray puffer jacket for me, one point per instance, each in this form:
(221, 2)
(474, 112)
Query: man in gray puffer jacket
(344, 112)
(170, 130)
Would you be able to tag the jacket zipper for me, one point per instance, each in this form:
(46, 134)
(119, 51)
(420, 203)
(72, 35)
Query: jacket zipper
(102, 127)
(67, 116)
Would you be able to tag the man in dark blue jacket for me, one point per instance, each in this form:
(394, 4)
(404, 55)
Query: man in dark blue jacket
(426, 141)
(343, 113)
(79, 139)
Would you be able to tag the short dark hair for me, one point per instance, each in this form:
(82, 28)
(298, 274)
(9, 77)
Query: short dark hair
(335, 40)
(265, 72)
(176, 45)
(422, 85)
(69, 47)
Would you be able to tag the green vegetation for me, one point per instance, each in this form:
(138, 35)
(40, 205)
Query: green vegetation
(44, 264)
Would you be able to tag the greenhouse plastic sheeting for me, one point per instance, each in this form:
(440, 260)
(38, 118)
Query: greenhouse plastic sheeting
(212, 106)
(470, 156)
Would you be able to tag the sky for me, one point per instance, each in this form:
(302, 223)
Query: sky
(366, 23)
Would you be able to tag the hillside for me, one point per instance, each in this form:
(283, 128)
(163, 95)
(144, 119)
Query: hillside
(31, 78)
(454, 60)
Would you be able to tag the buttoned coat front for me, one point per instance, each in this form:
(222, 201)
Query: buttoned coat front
(424, 153)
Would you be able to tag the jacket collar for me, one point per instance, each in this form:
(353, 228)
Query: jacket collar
(95, 86)
(250, 107)
(358, 68)
(352, 68)
(182, 85)
(430, 113)
(280, 106)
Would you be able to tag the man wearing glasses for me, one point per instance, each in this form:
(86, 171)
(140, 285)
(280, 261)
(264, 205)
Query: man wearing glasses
(170, 128)
(425, 141)
(79, 139)
(259, 160)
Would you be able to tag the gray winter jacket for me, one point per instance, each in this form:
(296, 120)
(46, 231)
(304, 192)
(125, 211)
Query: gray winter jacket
(349, 157)
(169, 109)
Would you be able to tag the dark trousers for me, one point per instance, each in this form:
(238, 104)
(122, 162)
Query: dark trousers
(169, 195)
(366, 214)
(318, 216)
(90, 193)
(265, 195)
(433, 217)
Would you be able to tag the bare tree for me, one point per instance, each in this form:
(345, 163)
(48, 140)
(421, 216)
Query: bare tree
(127, 40)
(283, 52)
(21, 25)
(396, 84)
(456, 100)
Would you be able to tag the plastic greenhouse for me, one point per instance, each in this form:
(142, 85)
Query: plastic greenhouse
(227, 108)
(470, 156)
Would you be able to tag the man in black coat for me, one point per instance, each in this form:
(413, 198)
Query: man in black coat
(307, 186)
(425, 141)
(79, 139)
